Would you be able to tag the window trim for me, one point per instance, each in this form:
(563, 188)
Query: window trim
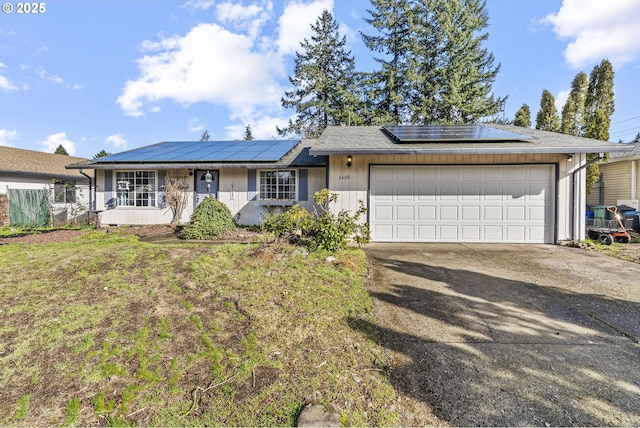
(66, 188)
(278, 201)
(133, 192)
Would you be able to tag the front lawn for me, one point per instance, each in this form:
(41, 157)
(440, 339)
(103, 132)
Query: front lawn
(106, 330)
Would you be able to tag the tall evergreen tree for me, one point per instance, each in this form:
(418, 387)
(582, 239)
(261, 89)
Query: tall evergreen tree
(599, 103)
(523, 116)
(323, 79)
(60, 150)
(466, 69)
(598, 108)
(547, 117)
(387, 89)
(205, 136)
(433, 67)
(248, 135)
(573, 120)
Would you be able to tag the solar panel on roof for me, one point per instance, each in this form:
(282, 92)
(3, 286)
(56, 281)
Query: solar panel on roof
(450, 133)
(206, 151)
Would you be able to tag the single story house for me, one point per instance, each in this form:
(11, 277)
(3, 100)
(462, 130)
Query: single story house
(252, 178)
(619, 180)
(27, 171)
(440, 183)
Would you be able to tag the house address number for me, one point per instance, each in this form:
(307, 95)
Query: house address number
(344, 177)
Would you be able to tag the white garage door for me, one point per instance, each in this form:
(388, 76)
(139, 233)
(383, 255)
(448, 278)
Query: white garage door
(462, 203)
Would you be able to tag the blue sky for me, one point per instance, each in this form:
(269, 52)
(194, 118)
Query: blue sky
(117, 75)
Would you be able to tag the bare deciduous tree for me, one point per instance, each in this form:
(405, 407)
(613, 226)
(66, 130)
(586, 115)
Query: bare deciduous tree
(176, 196)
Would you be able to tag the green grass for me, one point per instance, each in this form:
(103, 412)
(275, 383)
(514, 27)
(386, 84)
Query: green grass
(106, 330)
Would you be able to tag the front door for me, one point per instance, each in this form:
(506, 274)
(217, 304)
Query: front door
(204, 188)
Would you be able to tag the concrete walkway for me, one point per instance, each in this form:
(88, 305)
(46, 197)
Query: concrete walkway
(509, 335)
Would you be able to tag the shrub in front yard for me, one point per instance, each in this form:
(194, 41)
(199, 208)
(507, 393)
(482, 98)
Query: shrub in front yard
(208, 220)
(324, 230)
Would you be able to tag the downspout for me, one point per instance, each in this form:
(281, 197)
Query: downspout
(574, 191)
(634, 179)
(90, 198)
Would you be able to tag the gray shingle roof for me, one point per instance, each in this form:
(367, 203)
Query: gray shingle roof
(633, 153)
(372, 140)
(30, 162)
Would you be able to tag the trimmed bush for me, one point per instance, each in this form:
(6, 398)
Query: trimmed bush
(208, 220)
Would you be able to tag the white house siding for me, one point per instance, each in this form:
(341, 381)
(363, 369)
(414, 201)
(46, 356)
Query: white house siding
(352, 183)
(232, 191)
(246, 207)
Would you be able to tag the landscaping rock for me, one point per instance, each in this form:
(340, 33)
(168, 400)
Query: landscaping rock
(319, 415)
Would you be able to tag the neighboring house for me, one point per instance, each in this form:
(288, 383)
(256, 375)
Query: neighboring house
(447, 183)
(252, 178)
(28, 172)
(619, 180)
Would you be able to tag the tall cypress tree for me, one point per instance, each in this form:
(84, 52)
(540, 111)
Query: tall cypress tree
(523, 116)
(573, 120)
(547, 117)
(322, 93)
(598, 108)
(599, 103)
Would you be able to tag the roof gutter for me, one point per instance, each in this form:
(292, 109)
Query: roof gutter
(463, 151)
(192, 165)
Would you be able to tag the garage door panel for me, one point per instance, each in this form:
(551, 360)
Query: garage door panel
(493, 213)
(383, 212)
(426, 232)
(405, 232)
(448, 212)
(405, 212)
(471, 213)
(509, 203)
(470, 232)
(426, 213)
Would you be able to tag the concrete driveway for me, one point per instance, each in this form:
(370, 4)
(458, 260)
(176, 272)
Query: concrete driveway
(509, 335)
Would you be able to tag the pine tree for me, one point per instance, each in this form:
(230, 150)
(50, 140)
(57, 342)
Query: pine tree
(205, 136)
(573, 110)
(323, 79)
(466, 69)
(248, 136)
(101, 154)
(523, 116)
(433, 67)
(547, 117)
(61, 151)
(387, 90)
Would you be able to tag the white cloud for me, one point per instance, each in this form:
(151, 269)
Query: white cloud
(238, 62)
(44, 75)
(195, 125)
(51, 143)
(117, 141)
(209, 64)
(598, 29)
(197, 5)
(296, 20)
(6, 136)
(6, 85)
